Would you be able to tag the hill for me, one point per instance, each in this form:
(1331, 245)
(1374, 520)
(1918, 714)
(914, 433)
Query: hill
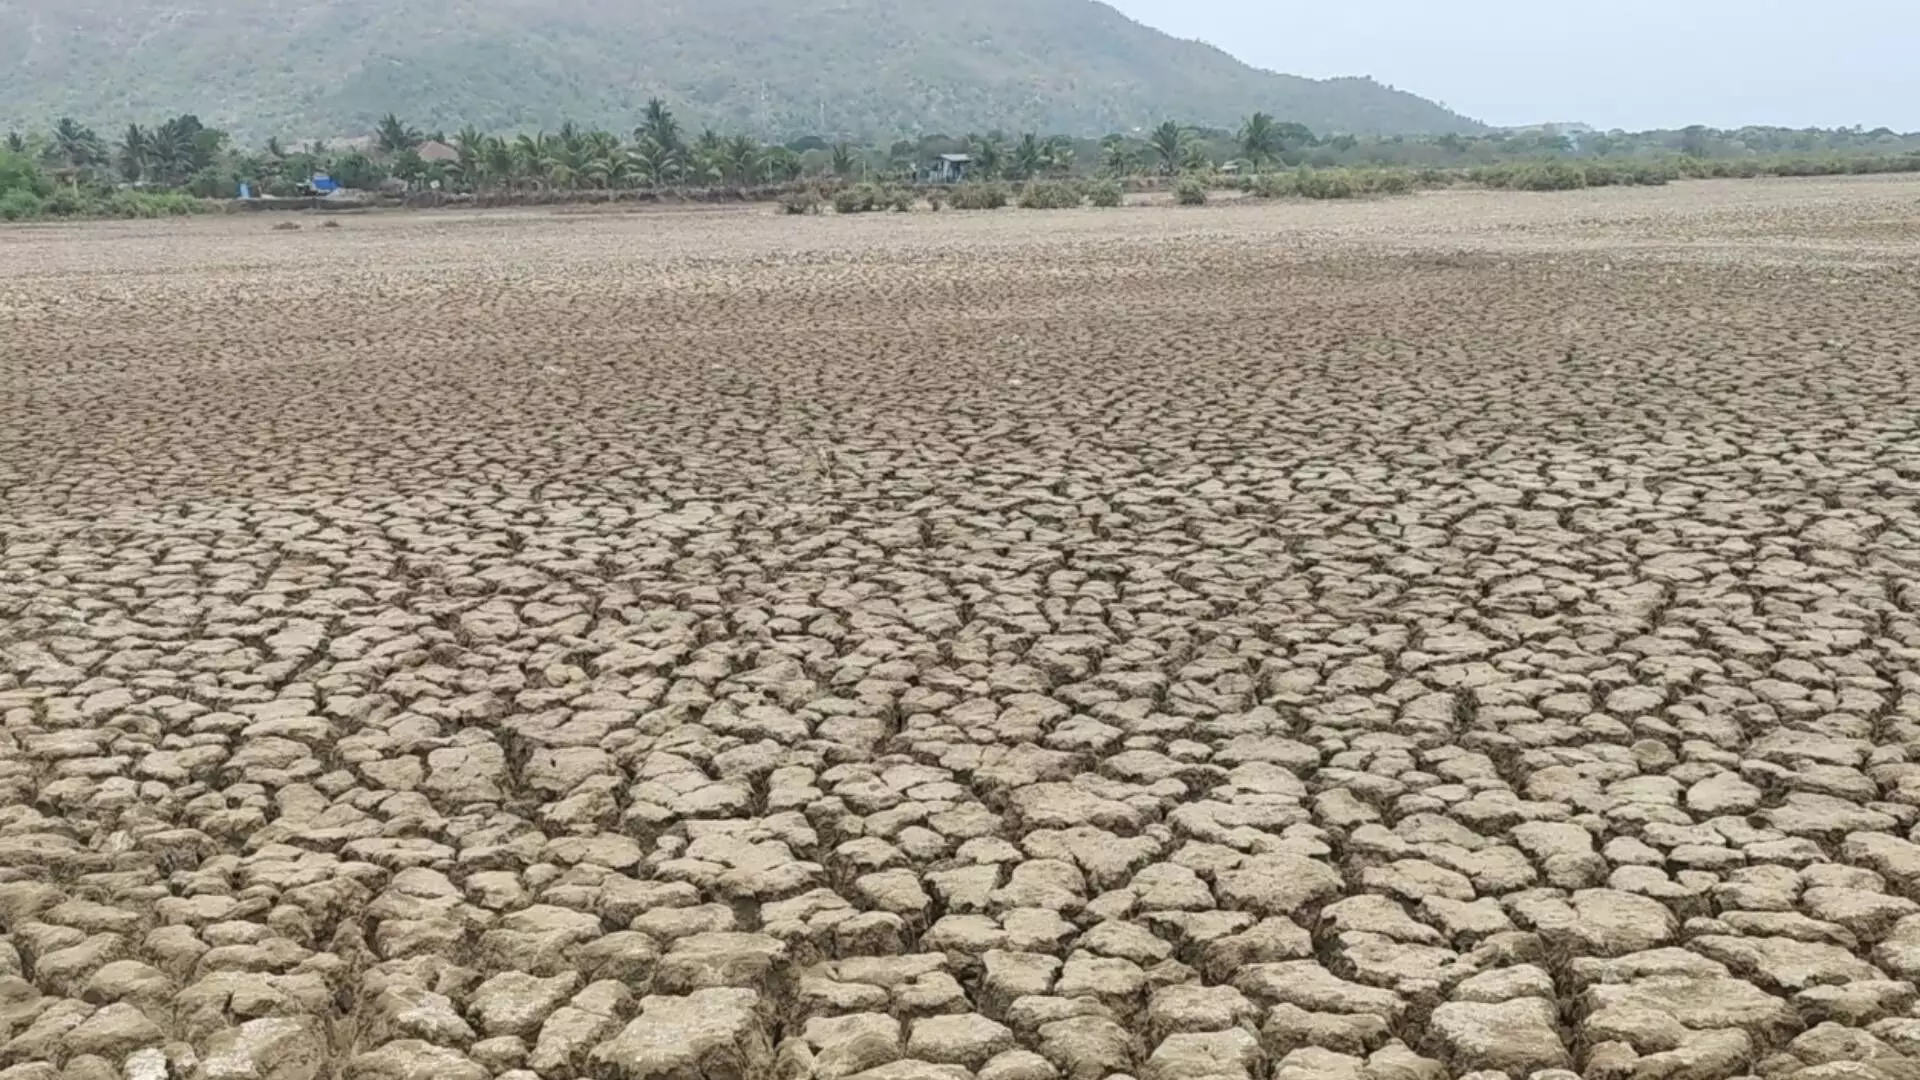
(876, 68)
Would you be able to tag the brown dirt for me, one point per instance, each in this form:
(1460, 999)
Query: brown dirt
(1407, 639)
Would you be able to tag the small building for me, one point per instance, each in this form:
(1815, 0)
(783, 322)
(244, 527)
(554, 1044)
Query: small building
(432, 150)
(949, 168)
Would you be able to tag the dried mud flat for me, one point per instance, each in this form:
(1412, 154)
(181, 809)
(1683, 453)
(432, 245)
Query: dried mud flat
(1468, 635)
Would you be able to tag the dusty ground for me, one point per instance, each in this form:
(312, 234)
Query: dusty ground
(1467, 633)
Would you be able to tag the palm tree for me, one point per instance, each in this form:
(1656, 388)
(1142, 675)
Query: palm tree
(658, 124)
(652, 164)
(409, 166)
(1195, 157)
(133, 153)
(273, 160)
(1059, 155)
(844, 161)
(1118, 155)
(1169, 143)
(78, 148)
(530, 155)
(598, 160)
(779, 163)
(606, 165)
(989, 157)
(741, 154)
(1259, 139)
(499, 162)
(393, 136)
(705, 161)
(1028, 158)
(170, 148)
(472, 164)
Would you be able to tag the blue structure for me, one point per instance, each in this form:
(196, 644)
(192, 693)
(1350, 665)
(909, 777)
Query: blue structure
(323, 184)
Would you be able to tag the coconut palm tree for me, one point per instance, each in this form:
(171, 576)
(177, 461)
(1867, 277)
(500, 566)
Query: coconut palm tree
(742, 153)
(779, 164)
(652, 164)
(472, 163)
(171, 149)
(1059, 155)
(989, 156)
(1117, 155)
(78, 148)
(393, 136)
(1169, 143)
(1028, 158)
(844, 159)
(1259, 139)
(530, 156)
(658, 124)
(409, 166)
(502, 166)
(272, 161)
(132, 155)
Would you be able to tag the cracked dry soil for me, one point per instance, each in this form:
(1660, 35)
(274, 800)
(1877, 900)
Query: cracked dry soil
(1472, 635)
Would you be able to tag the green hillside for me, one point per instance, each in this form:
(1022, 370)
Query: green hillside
(876, 68)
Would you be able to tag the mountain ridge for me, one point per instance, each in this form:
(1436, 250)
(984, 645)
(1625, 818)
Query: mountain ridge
(864, 68)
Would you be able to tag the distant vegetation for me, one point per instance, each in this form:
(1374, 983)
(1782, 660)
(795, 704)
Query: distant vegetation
(170, 166)
(776, 69)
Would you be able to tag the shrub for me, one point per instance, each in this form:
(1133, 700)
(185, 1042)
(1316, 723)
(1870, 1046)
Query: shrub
(857, 200)
(1655, 173)
(1190, 191)
(212, 183)
(1324, 183)
(1384, 181)
(1549, 176)
(1049, 195)
(1275, 186)
(19, 173)
(1106, 193)
(987, 196)
(147, 204)
(357, 171)
(65, 202)
(801, 202)
(900, 201)
(1493, 176)
(172, 204)
(19, 204)
(935, 200)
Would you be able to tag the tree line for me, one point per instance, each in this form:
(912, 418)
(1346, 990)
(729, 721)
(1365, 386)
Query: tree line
(72, 169)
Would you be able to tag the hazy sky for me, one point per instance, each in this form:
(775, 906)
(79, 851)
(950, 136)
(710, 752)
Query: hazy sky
(1618, 63)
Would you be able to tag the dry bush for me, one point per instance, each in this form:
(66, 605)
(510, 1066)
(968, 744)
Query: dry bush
(985, 195)
(1049, 195)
